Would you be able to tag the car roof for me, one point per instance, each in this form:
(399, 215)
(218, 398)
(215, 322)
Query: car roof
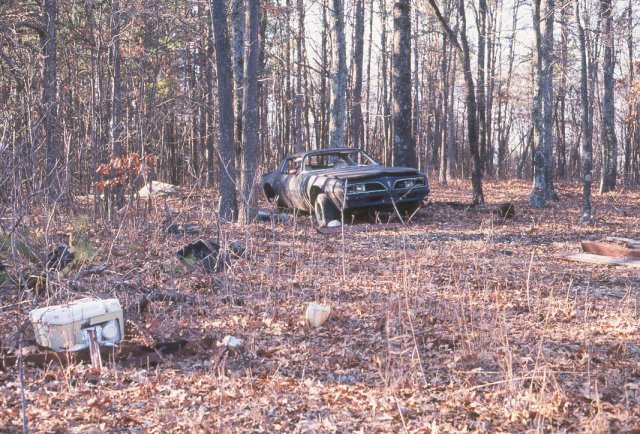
(322, 151)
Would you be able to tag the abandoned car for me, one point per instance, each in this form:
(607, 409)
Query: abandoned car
(334, 182)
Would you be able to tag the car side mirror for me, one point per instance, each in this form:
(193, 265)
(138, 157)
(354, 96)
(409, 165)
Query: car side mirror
(293, 171)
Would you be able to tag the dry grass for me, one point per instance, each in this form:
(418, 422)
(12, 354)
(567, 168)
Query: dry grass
(454, 323)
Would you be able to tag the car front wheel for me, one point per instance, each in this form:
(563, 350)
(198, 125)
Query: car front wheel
(325, 210)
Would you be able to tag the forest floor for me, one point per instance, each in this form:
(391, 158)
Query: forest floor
(451, 323)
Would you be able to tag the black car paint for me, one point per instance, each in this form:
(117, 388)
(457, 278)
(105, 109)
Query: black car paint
(300, 190)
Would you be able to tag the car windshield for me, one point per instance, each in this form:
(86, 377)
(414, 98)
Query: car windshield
(338, 159)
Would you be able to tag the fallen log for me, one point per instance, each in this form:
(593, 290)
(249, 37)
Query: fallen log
(128, 353)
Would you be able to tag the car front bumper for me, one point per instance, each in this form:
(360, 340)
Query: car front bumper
(385, 199)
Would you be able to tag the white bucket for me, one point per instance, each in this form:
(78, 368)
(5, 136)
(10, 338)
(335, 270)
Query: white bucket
(317, 314)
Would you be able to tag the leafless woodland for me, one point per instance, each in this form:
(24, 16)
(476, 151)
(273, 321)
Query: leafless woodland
(456, 321)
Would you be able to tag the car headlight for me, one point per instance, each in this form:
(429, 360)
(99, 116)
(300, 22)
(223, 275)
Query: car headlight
(356, 188)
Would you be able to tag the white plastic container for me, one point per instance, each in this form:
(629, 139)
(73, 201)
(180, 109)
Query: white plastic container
(64, 327)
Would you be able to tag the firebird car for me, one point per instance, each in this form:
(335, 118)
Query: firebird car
(330, 181)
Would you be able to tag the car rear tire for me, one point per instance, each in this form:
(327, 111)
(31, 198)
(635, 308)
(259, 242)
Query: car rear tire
(325, 210)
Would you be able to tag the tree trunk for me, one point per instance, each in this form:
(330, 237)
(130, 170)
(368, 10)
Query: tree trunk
(543, 106)
(357, 128)
(116, 81)
(237, 23)
(609, 141)
(565, 13)
(386, 110)
(481, 95)
(404, 150)
(587, 155)
(298, 134)
(50, 96)
(115, 122)
(321, 139)
(250, 122)
(631, 125)
(416, 126)
(464, 53)
(338, 76)
(226, 152)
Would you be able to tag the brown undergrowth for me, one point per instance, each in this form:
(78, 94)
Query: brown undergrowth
(455, 322)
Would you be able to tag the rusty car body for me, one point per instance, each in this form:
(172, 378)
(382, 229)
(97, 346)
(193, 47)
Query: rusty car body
(331, 182)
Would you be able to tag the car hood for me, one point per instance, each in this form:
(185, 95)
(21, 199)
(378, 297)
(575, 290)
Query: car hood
(364, 172)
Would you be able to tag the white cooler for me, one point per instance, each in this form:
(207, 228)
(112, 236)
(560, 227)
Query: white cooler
(64, 327)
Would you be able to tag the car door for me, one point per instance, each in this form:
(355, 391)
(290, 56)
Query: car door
(288, 183)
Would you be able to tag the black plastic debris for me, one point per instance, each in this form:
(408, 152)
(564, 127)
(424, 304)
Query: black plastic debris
(182, 230)
(205, 252)
(210, 255)
(59, 258)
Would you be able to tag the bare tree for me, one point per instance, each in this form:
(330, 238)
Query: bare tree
(298, 133)
(608, 131)
(462, 47)
(404, 150)
(383, 82)
(481, 23)
(357, 128)
(50, 94)
(587, 155)
(543, 104)
(251, 121)
(237, 20)
(226, 154)
(338, 76)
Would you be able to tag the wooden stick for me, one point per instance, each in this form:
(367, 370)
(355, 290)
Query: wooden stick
(94, 350)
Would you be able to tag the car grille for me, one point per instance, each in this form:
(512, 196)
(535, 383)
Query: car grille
(402, 184)
(374, 186)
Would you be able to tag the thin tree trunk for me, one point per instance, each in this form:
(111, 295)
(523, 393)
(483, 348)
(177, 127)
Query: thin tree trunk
(587, 155)
(404, 150)
(357, 129)
(115, 122)
(338, 76)
(386, 110)
(543, 105)
(481, 95)
(50, 96)
(116, 80)
(237, 23)
(298, 134)
(321, 139)
(250, 123)
(226, 152)
(367, 138)
(464, 52)
(632, 127)
(609, 141)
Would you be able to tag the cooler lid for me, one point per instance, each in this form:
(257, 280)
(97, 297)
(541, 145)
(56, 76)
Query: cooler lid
(75, 311)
